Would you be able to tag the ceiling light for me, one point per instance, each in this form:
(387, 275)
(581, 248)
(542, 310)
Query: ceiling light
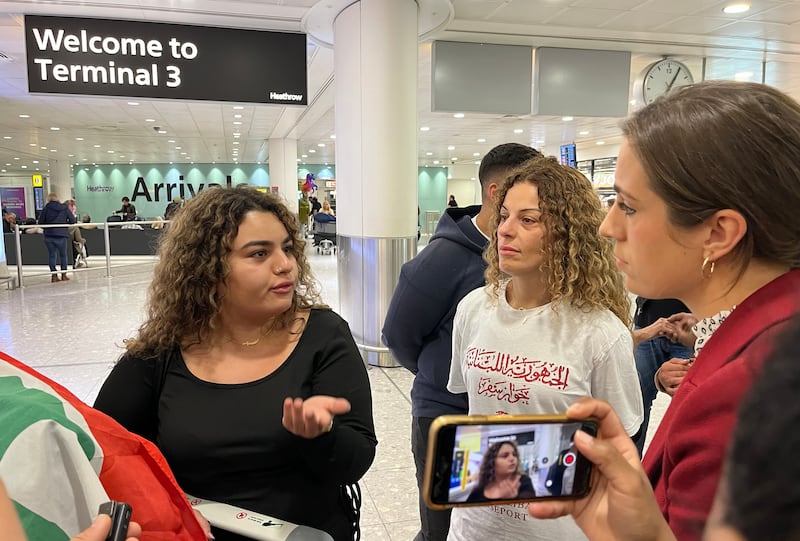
(31, 144)
(24, 116)
(519, 130)
(96, 146)
(304, 156)
(481, 140)
(584, 132)
(133, 103)
(149, 119)
(53, 150)
(178, 148)
(312, 151)
(238, 107)
(16, 158)
(477, 162)
(237, 123)
(458, 115)
(54, 128)
(476, 153)
(739, 7)
(79, 138)
(43, 148)
(3, 171)
(237, 116)
(333, 136)
(70, 155)
(567, 118)
(170, 140)
(453, 159)
(321, 145)
(6, 137)
(451, 147)
(429, 153)
(24, 166)
(110, 151)
(436, 162)
(601, 143)
(35, 161)
(162, 132)
(425, 128)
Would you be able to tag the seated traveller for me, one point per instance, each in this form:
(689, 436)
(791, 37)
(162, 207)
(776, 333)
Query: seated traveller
(500, 476)
(254, 391)
(9, 222)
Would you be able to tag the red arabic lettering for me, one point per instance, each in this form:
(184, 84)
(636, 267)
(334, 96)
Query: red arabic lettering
(519, 367)
(504, 390)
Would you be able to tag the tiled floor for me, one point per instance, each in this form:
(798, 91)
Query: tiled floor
(73, 331)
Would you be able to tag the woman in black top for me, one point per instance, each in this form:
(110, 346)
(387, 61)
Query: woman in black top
(255, 393)
(501, 476)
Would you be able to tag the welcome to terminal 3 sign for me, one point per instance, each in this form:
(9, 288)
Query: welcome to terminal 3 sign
(156, 60)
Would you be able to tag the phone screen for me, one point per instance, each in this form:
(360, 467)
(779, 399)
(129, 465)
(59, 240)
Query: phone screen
(495, 462)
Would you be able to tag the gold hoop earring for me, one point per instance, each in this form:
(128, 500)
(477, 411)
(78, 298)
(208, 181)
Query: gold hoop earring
(710, 269)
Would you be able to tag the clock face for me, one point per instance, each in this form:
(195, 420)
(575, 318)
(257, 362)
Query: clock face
(662, 77)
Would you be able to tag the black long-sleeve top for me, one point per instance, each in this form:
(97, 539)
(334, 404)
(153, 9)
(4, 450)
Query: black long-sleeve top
(227, 442)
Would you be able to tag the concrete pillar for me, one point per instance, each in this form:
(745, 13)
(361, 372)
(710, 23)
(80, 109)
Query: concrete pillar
(375, 59)
(283, 169)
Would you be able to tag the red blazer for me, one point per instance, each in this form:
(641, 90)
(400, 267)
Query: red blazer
(684, 460)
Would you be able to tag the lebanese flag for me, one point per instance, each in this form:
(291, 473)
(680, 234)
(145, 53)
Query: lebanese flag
(60, 459)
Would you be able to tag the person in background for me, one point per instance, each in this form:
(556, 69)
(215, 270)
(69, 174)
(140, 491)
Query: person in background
(55, 238)
(551, 325)
(658, 340)
(452, 201)
(75, 237)
(9, 222)
(316, 206)
(720, 236)
(326, 208)
(419, 322)
(500, 476)
(254, 391)
(304, 212)
(173, 207)
(85, 220)
(128, 210)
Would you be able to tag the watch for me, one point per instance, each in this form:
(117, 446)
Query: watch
(660, 77)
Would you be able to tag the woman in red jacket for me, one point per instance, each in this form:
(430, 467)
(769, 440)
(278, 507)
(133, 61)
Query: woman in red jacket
(708, 192)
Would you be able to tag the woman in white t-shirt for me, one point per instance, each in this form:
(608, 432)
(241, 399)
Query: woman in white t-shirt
(551, 325)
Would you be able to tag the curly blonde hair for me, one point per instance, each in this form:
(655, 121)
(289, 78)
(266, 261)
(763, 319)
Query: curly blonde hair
(183, 303)
(578, 262)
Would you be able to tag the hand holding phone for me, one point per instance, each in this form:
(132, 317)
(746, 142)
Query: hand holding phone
(120, 514)
(487, 460)
(620, 504)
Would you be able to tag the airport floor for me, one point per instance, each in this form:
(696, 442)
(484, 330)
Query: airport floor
(72, 332)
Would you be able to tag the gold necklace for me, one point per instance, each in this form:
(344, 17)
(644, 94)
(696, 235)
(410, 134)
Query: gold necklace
(249, 343)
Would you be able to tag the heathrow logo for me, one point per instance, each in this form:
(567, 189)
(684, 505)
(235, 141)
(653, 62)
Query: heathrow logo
(285, 96)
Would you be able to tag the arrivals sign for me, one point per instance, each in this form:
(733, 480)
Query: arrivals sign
(157, 60)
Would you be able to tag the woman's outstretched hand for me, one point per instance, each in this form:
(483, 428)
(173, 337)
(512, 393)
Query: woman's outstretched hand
(620, 505)
(313, 416)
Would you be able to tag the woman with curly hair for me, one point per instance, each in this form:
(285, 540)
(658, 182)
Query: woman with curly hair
(550, 326)
(253, 390)
(501, 477)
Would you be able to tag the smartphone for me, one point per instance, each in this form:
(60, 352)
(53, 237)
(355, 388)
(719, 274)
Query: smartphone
(500, 459)
(120, 514)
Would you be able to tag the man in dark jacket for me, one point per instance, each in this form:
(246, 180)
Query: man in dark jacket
(55, 238)
(419, 323)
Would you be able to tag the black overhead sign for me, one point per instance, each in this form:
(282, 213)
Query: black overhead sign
(155, 60)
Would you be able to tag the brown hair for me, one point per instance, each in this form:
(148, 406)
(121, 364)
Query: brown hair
(183, 304)
(487, 472)
(726, 145)
(578, 262)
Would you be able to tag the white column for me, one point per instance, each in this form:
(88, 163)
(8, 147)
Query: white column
(283, 169)
(60, 179)
(375, 65)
